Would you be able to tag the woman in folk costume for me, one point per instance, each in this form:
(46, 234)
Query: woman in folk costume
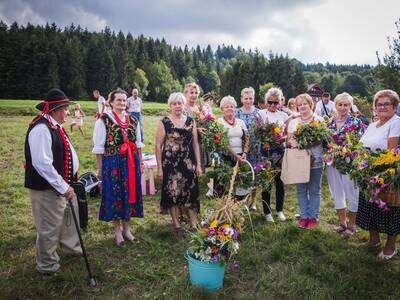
(117, 145)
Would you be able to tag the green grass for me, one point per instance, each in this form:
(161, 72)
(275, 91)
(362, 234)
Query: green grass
(27, 107)
(282, 262)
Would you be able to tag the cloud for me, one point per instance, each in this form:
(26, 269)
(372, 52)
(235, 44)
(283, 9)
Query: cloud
(301, 28)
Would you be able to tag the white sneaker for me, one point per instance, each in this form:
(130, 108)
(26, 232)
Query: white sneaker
(269, 218)
(253, 208)
(210, 193)
(281, 216)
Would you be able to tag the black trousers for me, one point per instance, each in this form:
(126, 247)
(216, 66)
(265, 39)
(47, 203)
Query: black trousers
(279, 194)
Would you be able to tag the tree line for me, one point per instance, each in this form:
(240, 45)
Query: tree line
(34, 58)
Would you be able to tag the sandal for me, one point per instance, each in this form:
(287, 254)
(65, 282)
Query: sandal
(387, 256)
(350, 231)
(340, 228)
(179, 233)
(131, 238)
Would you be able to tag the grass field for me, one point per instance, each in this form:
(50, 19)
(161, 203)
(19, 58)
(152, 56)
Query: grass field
(283, 262)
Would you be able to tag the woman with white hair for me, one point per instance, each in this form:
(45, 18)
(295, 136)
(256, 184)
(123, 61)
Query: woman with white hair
(341, 186)
(237, 134)
(273, 98)
(178, 161)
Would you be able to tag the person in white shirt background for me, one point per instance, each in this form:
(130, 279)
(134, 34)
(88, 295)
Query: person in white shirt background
(101, 103)
(325, 107)
(51, 165)
(134, 108)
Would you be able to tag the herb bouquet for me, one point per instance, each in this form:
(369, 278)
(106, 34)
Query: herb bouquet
(312, 134)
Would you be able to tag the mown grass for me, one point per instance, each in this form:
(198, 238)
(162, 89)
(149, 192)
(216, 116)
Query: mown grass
(278, 262)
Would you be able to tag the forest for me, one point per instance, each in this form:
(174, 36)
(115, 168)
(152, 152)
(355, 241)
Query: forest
(34, 58)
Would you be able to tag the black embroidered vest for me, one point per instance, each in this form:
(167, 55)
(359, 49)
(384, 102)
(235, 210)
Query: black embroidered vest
(32, 178)
(114, 136)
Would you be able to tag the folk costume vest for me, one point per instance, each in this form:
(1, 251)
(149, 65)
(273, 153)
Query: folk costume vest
(62, 157)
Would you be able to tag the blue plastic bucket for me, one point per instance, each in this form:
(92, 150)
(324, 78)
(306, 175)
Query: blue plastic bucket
(204, 274)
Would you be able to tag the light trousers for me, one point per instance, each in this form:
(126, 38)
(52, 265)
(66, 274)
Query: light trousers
(342, 188)
(54, 224)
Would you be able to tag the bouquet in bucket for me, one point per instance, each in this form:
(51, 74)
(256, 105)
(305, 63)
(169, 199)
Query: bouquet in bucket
(378, 176)
(215, 138)
(311, 134)
(268, 135)
(216, 237)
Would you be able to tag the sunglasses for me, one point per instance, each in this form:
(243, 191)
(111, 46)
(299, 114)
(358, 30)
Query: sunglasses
(273, 102)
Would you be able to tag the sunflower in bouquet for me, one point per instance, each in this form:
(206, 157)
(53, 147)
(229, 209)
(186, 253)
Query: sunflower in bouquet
(311, 134)
(215, 138)
(268, 135)
(377, 172)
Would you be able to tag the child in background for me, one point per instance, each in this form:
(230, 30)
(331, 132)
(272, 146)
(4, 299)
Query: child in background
(78, 118)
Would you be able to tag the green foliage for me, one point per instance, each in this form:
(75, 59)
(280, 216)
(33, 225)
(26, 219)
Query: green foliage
(141, 82)
(262, 90)
(162, 83)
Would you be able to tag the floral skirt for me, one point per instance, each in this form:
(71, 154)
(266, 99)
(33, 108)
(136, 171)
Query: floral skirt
(372, 218)
(115, 197)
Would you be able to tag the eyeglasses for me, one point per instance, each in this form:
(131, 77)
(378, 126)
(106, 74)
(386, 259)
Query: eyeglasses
(273, 102)
(383, 105)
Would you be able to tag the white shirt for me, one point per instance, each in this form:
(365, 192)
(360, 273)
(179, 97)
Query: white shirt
(39, 140)
(274, 117)
(377, 138)
(134, 105)
(100, 133)
(100, 103)
(319, 108)
(235, 134)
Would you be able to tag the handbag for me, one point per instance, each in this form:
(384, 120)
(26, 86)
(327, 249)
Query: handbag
(296, 165)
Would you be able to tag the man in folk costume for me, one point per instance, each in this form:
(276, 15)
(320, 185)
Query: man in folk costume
(51, 165)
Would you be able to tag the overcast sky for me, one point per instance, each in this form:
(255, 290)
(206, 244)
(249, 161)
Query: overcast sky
(338, 31)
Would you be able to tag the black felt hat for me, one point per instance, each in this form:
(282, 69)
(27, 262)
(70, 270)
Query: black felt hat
(55, 99)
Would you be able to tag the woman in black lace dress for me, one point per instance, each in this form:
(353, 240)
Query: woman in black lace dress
(178, 161)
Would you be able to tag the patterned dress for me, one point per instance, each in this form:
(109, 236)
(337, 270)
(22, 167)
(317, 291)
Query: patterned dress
(250, 119)
(351, 125)
(180, 186)
(115, 195)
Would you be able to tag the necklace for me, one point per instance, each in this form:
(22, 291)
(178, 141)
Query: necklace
(232, 123)
(177, 121)
(122, 124)
(306, 119)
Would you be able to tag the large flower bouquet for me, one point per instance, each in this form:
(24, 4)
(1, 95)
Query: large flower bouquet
(311, 134)
(341, 156)
(377, 173)
(268, 135)
(216, 237)
(215, 138)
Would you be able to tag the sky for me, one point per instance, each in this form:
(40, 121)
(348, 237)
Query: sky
(335, 31)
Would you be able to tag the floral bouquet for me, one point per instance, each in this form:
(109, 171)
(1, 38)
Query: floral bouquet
(216, 237)
(341, 156)
(268, 135)
(378, 174)
(265, 174)
(311, 134)
(223, 171)
(216, 137)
